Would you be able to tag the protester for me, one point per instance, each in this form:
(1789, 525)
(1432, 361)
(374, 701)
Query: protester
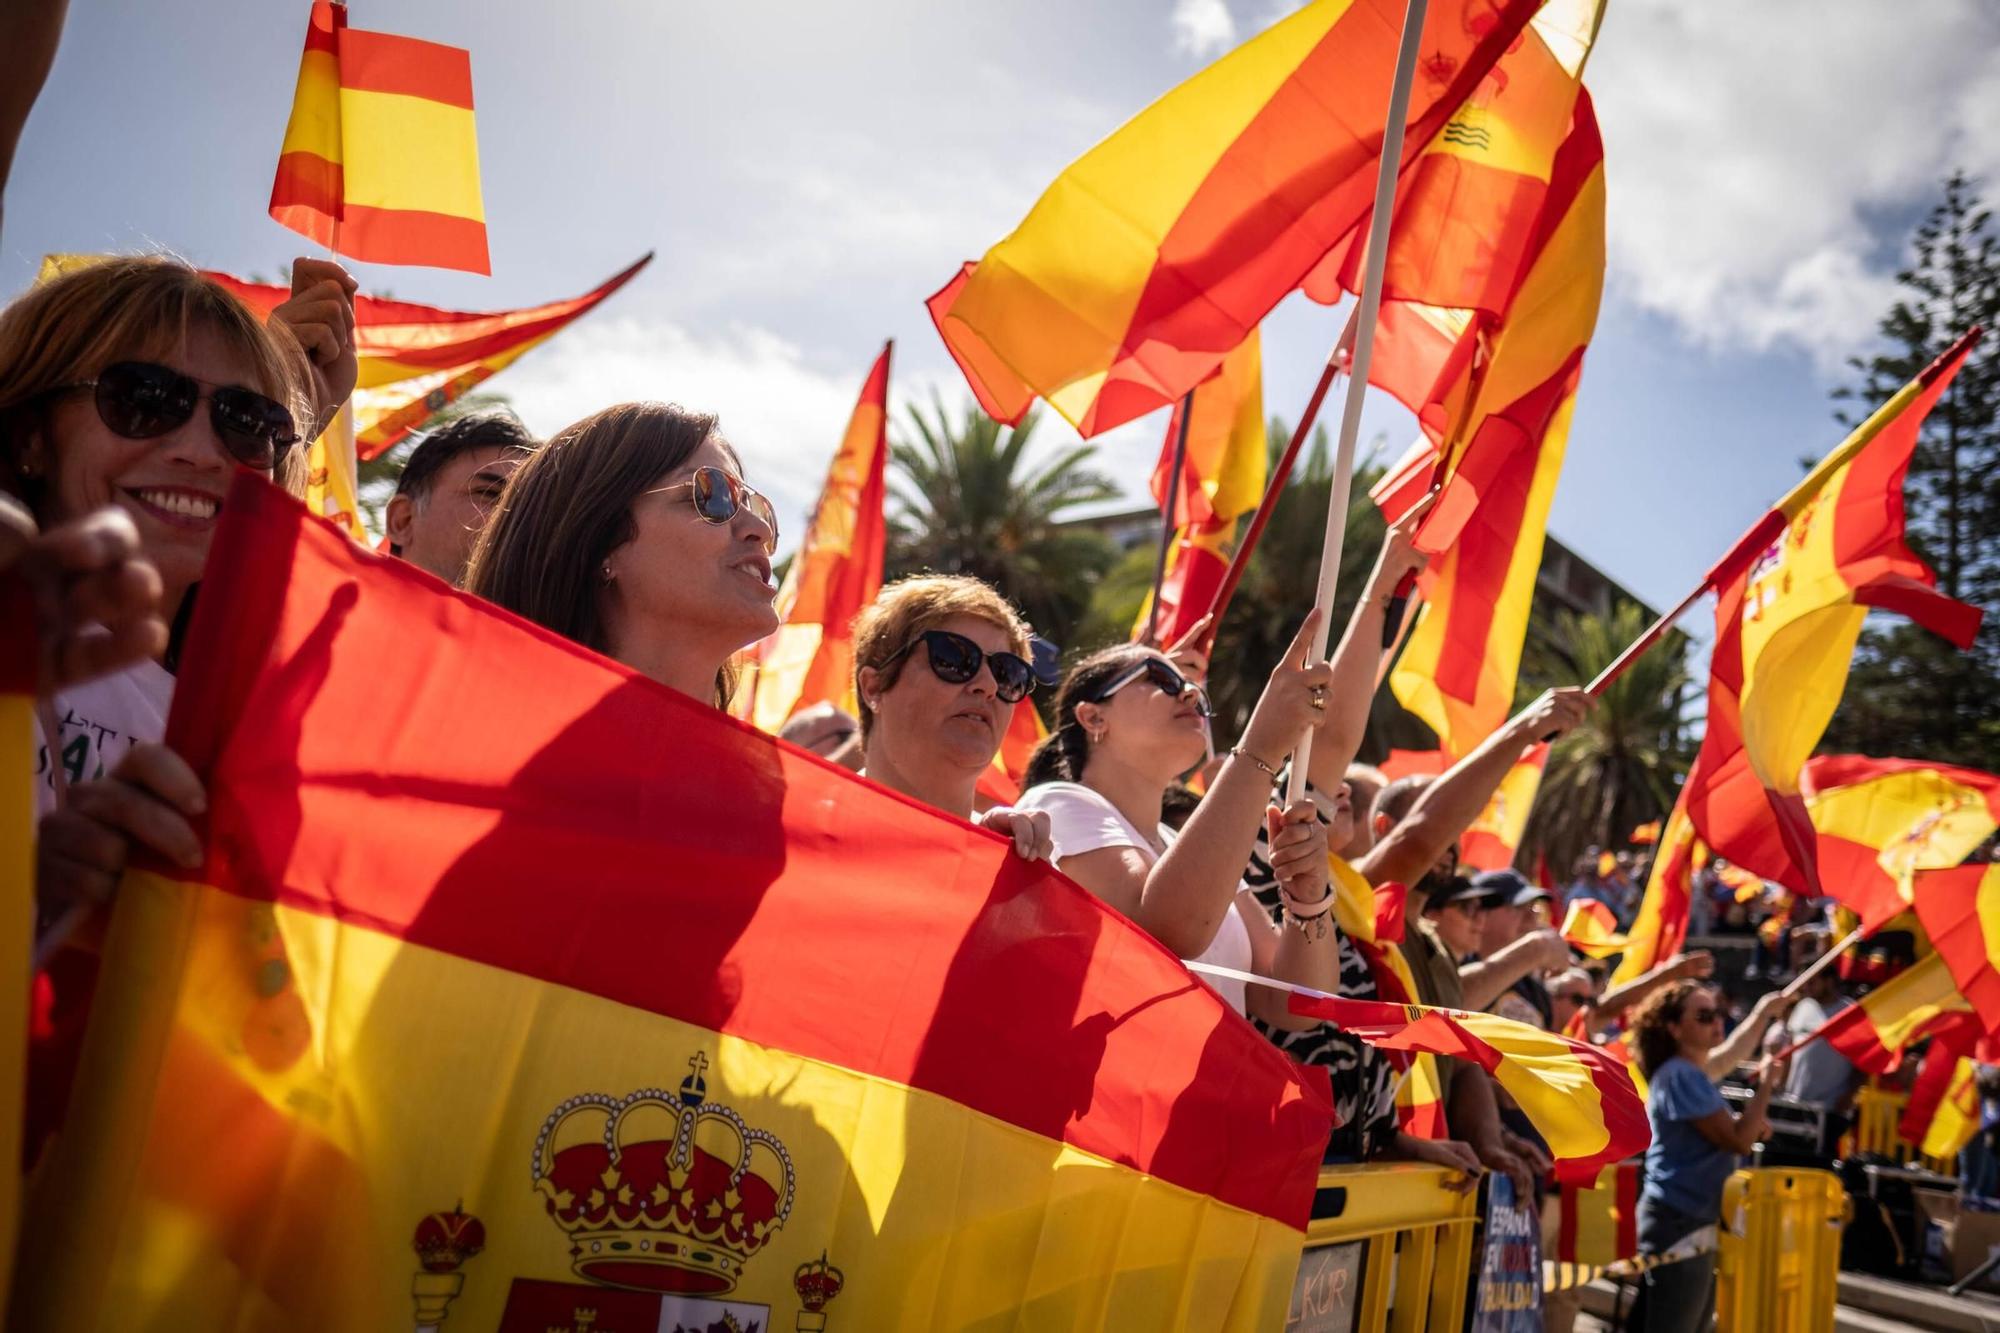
(1579, 1004)
(931, 733)
(1127, 724)
(105, 372)
(1820, 1075)
(1697, 1139)
(1364, 783)
(449, 484)
(1515, 908)
(96, 599)
(827, 730)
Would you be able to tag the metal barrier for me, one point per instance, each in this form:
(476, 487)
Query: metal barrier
(1389, 1250)
(1778, 1260)
(1877, 1112)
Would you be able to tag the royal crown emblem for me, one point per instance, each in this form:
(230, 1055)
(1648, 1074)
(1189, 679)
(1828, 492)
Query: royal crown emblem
(662, 1192)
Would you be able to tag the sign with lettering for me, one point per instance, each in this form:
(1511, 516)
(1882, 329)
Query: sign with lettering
(1326, 1295)
(1509, 1295)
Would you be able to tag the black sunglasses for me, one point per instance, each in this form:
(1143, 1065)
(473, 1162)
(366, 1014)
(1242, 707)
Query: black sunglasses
(1169, 682)
(955, 659)
(143, 401)
(718, 496)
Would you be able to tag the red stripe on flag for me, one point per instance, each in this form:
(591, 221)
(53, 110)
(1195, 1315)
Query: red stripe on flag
(413, 236)
(386, 62)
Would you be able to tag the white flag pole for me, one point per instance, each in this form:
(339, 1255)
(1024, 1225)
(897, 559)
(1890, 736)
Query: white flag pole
(1364, 350)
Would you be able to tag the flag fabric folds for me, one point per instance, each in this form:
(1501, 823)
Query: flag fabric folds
(1662, 924)
(381, 160)
(1158, 251)
(1600, 1224)
(1959, 909)
(517, 1020)
(1491, 840)
(1579, 1099)
(1880, 821)
(1222, 478)
(836, 572)
(1942, 1113)
(1790, 601)
(1873, 1031)
(1591, 929)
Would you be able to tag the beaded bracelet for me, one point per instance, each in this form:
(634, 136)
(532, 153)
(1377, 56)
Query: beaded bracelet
(1310, 918)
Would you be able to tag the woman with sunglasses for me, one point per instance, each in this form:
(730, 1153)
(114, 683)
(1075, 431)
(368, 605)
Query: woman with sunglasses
(633, 533)
(138, 384)
(1697, 1139)
(942, 659)
(1128, 723)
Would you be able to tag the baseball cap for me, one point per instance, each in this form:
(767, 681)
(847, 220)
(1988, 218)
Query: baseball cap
(1509, 888)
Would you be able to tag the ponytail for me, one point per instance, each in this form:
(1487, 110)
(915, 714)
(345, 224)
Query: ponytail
(1059, 758)
(1062, 756)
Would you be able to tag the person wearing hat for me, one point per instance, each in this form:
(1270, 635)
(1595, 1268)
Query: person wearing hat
(1515, 910)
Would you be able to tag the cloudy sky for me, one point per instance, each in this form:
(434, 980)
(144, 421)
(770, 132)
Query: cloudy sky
(808, 173)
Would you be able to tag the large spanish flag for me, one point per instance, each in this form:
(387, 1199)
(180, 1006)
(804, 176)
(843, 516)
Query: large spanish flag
(1222, 478)
(1662, 924)
(1917, 1002)
(1494, 837)
(620, 1006)
(380, 160)
(1790, 601)
(836, 572)
(1158, 251)
(1580, 1100)
(1959, 909)
(18, 743)
(1881, 820)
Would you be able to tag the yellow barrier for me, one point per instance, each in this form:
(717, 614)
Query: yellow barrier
(1389, 1249)
(1877, 1112)
(1778, 1258)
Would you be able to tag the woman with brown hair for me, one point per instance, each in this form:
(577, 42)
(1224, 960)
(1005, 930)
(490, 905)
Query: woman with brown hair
(139, 385)
(632, 533)
(1697, 1139)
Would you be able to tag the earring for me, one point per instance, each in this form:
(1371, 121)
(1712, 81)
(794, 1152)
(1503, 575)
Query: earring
(607, 575)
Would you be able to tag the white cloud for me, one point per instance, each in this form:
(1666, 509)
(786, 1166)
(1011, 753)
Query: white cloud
(1764, 160)
(1202, 27)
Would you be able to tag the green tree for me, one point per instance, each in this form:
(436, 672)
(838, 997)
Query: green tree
(968, 500)
(1622, 767)
(1911, 693)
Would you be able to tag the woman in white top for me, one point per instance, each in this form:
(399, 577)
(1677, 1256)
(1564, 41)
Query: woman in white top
(1128, 723)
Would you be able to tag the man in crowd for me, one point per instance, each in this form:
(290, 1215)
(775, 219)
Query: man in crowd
(449, 485)
(1514, 911)
(1820, 1075)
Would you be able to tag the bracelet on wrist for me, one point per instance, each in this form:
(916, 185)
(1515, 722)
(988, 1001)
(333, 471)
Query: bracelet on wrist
(1242, 753)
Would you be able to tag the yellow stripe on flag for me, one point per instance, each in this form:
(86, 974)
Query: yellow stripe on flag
(407, 153)
(315, 124)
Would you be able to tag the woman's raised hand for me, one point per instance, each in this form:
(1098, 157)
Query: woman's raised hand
(1292, 701)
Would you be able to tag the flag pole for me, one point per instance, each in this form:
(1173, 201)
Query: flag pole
(1281, 473)
(1379, 223)
(1168, 505)
(1639, 646)
(1819, 965)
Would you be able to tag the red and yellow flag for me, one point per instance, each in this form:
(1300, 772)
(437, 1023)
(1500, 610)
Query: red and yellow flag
(1579, 1099)
(1873, 1031)
(1646, 835)
(1222, 478)
(1591, 929)
(1790, 601)
(381, 160)
(1000, 784)
(1599, 1224)
(1881, 820)
(1413, 763)
(1662, 924)
(1499, 460)
(517, 1020)
(1492, 839)
(836, 573)
(1959, 908)
(1158, 251)
(1942, 1113)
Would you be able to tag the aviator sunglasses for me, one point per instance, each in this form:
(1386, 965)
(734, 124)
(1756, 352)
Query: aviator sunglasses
(143, 401)
(1169, 682)
(955, 659)
(718, 496)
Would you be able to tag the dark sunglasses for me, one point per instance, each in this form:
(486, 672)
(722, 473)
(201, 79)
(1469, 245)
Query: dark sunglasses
(1169, 682)
(718, 497)
(955, 659)
(143, 401)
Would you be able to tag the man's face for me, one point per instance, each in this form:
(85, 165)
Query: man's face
(439, 533)
(1458, 925)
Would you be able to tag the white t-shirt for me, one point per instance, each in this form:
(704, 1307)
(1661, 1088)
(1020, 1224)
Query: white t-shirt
(100, 720)
(1082, 821)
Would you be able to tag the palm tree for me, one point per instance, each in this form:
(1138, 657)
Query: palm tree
(967, 502)
(1623, 766)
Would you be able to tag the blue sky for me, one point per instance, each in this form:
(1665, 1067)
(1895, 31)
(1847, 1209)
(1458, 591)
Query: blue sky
(809, 173)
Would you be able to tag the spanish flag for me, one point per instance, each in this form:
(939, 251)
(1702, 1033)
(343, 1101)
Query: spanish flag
(1222, 478)
(619, 1006)
(1915, 1003)
(1942, 1113)
(1646, 835)
(1880, 821)
(1579, 1099)
(1960, 910)
(380, 160)
(1492, 839)
(1154, 254)
(1790, 601)
(1599, 1223)
(1590, 929)
(18, 743)
(1662, 924)
(834, 575)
